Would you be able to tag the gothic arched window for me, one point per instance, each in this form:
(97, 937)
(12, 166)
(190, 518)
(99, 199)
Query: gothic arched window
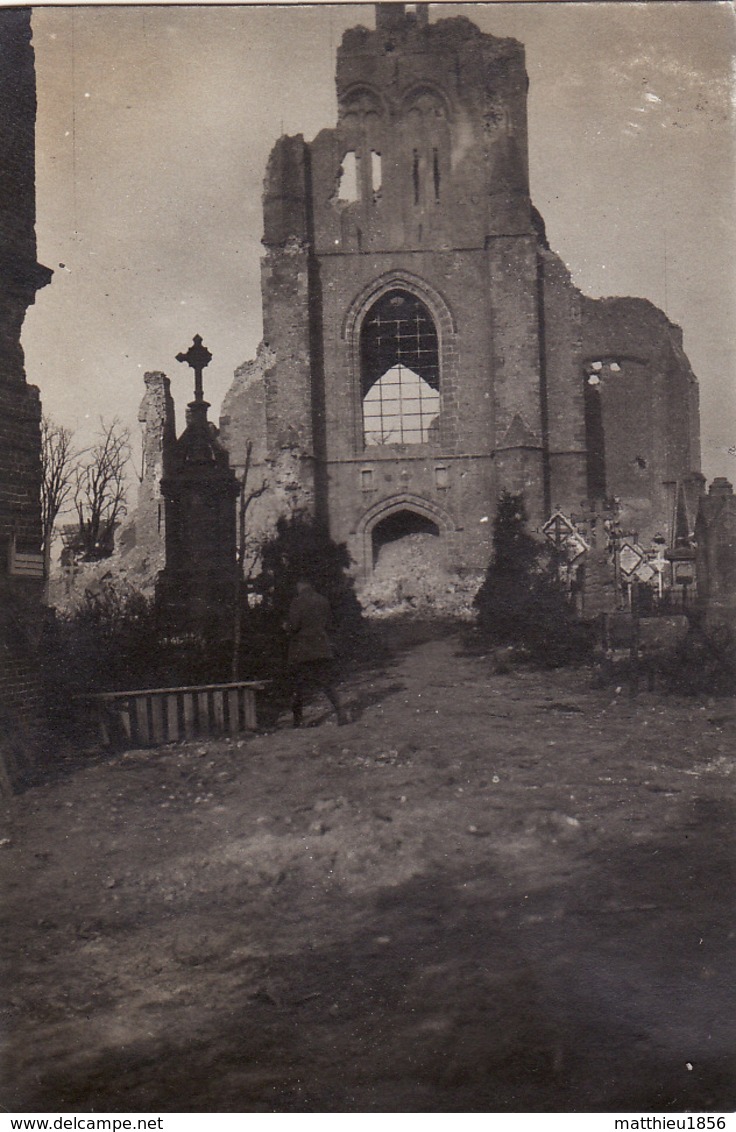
(400, 371)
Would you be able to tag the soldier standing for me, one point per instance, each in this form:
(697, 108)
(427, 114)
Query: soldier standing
(311, 657)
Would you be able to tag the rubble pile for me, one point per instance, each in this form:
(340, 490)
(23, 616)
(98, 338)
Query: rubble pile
(411, 576)
(128, 572)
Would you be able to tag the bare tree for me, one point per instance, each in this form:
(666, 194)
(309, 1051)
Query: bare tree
(57, 475)
(58, 460)
(100, 491)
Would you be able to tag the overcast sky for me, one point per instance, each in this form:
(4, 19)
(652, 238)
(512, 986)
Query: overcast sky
(154, 128)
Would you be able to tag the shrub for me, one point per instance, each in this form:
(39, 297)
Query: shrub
(704, 662)
(522, 601)
(112, 642)
(109, 642)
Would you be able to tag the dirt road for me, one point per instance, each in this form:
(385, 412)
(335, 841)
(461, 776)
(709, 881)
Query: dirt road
(488, 893)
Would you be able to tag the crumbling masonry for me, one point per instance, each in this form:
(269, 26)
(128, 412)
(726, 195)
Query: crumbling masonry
(21, 561)
(423, 346)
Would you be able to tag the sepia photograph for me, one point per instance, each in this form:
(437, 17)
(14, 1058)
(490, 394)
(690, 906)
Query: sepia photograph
(368, 559)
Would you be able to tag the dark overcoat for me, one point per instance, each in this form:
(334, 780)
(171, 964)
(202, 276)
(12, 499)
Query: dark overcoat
(309, 622)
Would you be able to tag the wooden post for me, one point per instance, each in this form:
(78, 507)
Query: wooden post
(239, 595)
(172, 717)
(634, 642)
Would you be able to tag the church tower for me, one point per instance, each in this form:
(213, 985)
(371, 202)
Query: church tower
(424, 348)
(400, 289)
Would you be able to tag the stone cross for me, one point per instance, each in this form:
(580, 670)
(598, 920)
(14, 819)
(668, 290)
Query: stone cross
(197, 356)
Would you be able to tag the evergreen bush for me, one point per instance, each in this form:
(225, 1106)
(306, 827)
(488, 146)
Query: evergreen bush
(522, 602)
(704, 662)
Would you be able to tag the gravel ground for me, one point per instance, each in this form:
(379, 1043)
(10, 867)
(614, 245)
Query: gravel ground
(507, 893)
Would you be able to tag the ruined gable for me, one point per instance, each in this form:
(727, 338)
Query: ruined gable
(424, 347)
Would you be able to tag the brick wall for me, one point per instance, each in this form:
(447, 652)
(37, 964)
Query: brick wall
(20, 409)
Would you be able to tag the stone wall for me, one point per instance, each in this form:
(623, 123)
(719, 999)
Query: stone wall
(278, 479)
(157, 420)
(643, 424)
(564, 410)
(715, 534)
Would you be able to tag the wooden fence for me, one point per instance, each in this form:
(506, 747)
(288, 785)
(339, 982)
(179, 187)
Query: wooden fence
(151, 716)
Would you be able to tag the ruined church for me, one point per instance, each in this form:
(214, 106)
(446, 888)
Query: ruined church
(423, 346)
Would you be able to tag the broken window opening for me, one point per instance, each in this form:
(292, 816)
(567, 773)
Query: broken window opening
(348, 191)
(375, 173)
(400, 383)
(595, 437)
(436, 171)
(415, 175)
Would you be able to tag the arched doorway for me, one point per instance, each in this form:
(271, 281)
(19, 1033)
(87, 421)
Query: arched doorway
(397, 526)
